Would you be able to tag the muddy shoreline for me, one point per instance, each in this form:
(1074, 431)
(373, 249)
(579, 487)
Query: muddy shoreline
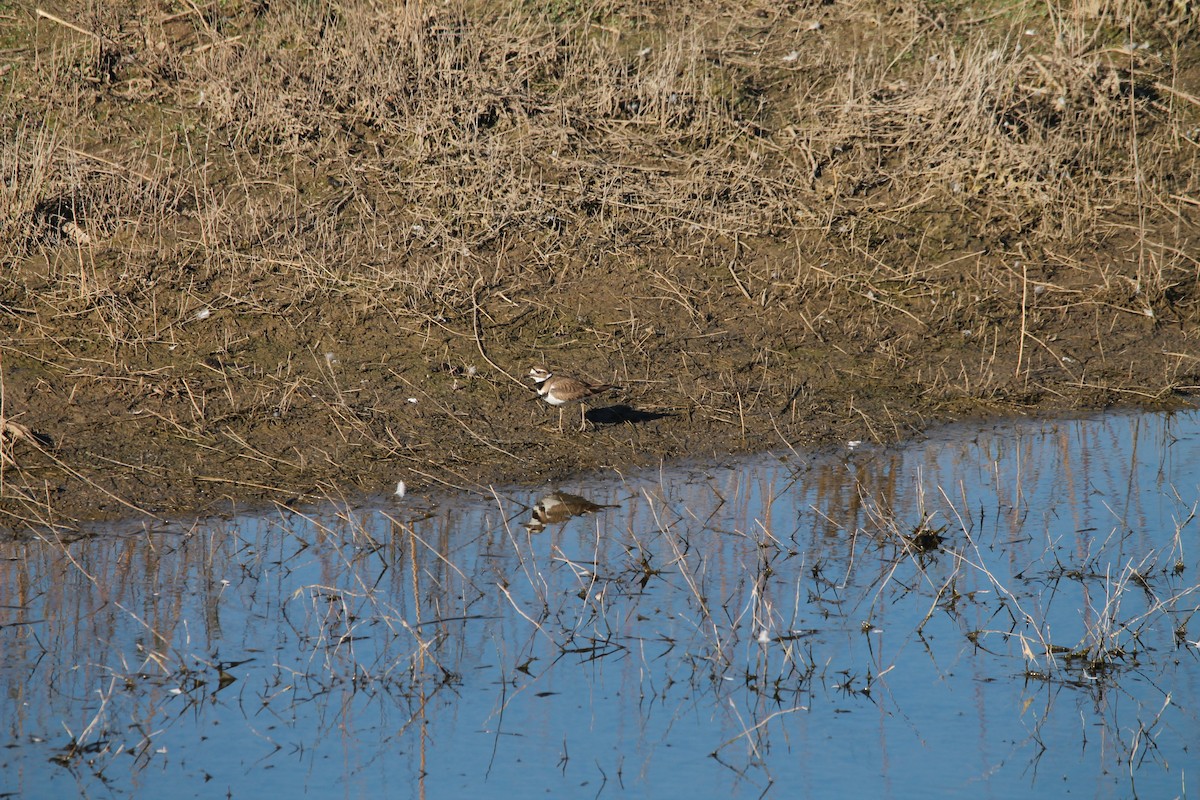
(440, 416)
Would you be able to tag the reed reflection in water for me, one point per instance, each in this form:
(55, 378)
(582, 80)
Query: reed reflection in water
(1008, 609)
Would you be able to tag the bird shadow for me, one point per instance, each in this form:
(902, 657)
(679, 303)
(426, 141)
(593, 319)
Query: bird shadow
(612, 415)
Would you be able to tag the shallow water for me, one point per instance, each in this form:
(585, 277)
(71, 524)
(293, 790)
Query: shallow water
(1002, 610)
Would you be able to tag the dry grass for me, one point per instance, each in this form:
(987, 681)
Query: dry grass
(355, 139)
(213, 206)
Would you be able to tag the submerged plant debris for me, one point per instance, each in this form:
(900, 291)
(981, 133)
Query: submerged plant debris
(748, 629)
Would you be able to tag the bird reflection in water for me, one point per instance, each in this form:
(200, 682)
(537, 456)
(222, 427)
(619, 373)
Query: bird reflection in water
(559, 507)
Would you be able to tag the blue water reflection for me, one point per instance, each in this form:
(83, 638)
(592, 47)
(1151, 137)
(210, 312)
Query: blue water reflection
(1002, 610)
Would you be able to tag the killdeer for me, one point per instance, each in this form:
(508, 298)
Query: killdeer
(558, 390)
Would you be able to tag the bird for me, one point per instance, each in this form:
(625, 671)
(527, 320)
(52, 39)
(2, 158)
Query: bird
(559, 507)
(558, 390)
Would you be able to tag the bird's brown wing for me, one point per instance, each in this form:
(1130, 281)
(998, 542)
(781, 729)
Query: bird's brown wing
(597, 388)
(576, 389)
(571, 388)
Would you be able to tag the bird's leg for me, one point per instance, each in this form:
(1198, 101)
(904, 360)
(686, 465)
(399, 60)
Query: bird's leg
(560, 413)
(582, 418)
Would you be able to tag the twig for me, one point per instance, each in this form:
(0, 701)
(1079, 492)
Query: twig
(47, 15)
(1191, 98)
(450, 414)
(1024, 299)
(738, 281)
(113, 164)
(479, 337)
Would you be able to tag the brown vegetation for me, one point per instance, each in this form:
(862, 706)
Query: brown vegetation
(268, 251)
